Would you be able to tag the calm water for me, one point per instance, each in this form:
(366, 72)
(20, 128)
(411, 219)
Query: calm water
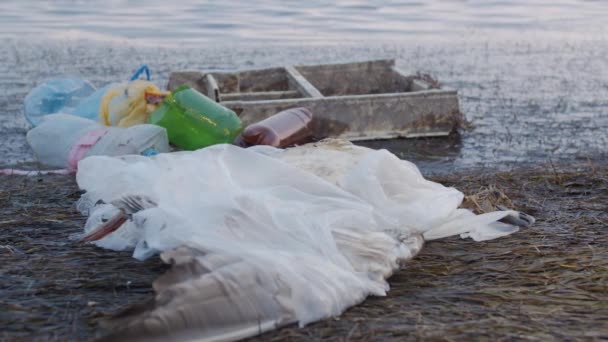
(532, 75)
(238, 22)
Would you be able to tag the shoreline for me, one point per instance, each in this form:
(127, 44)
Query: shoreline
(542, 282)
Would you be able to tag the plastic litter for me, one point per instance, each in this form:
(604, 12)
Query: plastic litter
(194, 121)
(54, 96)
(125, 105)
(61, 140)
(76, 96)
(89, 107)
(287, 128)
(316, 228)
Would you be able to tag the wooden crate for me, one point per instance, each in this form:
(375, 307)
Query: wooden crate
(355, 101)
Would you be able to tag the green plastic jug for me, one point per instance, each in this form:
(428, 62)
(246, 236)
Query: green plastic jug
(194, 121)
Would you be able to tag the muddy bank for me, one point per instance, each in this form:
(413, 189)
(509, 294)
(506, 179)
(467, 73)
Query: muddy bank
(546, 282)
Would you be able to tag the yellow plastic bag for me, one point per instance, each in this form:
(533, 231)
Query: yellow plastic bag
(125, 104)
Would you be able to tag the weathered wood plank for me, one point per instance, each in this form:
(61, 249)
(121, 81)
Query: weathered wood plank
(193, 79)
(365, 117)
(272, 79)
(373, 77)
(213, 91)
(261, 95)
(381, 64)
(419, 85)
(402, 79)
(297, 81)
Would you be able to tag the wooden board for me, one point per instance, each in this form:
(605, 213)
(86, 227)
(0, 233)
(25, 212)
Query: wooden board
(355, 101)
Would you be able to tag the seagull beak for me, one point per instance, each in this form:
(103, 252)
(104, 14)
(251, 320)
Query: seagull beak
(106, 228)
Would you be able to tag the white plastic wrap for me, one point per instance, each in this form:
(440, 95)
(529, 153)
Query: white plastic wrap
(53, 139)
(326, 223)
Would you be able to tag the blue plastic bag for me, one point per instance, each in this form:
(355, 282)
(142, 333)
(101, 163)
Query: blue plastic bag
(56, 96)
(89, 107)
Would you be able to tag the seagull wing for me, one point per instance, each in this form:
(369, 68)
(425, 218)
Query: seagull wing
(208, 297)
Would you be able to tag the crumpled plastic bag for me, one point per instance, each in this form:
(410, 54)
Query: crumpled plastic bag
(125, 105)
(328, 222)
(61, 140)
(59, 95)
(115, 104)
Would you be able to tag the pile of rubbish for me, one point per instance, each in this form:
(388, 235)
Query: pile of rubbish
(73, 120)
(262, 237)
(258, 237)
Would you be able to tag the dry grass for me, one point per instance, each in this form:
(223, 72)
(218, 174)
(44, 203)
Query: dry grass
(548, 282)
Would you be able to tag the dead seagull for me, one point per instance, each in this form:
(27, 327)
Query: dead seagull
(259, 238)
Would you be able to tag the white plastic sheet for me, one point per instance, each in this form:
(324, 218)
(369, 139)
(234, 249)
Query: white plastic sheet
(329, 222)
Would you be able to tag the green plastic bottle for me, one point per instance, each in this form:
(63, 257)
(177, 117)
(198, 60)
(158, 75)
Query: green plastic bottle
(194, 121)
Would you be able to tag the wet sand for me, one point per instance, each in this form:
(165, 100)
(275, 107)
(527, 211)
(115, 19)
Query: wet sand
(545, 282)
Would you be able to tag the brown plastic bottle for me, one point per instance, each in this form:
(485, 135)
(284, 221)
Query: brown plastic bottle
(289, 127)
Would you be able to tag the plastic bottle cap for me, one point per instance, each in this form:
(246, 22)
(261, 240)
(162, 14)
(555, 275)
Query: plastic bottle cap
(149, 152)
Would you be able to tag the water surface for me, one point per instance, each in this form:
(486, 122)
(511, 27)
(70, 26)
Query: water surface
(532, 75)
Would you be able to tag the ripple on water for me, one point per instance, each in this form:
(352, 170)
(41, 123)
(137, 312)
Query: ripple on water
(534, 87)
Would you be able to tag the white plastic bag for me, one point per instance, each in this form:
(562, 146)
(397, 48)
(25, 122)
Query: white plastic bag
(61, 140)
(316, 228)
